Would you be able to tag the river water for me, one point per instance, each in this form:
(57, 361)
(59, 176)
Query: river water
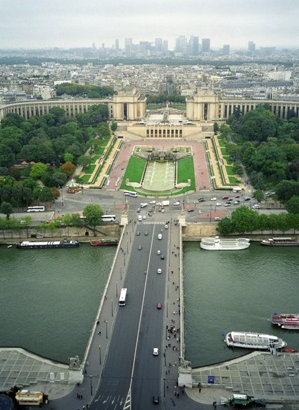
(49, 298)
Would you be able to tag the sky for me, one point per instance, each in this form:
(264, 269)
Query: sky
(74, 23)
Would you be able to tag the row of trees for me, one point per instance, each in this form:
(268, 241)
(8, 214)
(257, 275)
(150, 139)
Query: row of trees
(247, 220)
(164, 98)
(89, 91)
(92, 218)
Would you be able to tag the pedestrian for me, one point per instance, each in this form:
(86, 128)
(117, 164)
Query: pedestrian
(99, 332)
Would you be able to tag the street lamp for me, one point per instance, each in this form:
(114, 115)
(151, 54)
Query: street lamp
(106, 323)
(100, 353)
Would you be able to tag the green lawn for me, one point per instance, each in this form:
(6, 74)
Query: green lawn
(230, 170)
(90, 169)
(178, 106)
(84, 179)
(133, 172)
(221, 142)
(223, 150)
(233, 180)
(186, 171)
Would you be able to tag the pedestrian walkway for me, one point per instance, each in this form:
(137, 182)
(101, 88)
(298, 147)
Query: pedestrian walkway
(273, 378)
(19, 367)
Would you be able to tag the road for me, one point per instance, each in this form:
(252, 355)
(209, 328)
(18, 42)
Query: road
(138, 328)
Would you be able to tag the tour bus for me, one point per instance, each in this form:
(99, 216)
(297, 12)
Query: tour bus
(29, 398)
(36, 209)
(130, 193)
(123, 297)
(108, 218)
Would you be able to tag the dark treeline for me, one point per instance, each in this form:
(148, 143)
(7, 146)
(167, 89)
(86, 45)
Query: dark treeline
(89, 91)
(39, 154)
(164, 98)
(33, 60)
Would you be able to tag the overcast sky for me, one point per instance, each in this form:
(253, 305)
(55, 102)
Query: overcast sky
(74, 23)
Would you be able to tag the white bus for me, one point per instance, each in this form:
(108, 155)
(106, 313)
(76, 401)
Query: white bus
(130, 193)
(108, 218)
(36, 209)
(29, 398)
(123, 297)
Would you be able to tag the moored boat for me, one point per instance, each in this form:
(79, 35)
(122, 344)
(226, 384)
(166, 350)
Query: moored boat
(226, 244)
(288, 321)
(256, 341)
(284, 241)
(48, 245)
(104, 242)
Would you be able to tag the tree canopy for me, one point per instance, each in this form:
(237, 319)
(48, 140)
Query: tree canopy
(89, 91)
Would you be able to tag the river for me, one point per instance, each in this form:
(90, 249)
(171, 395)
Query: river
(50, 297)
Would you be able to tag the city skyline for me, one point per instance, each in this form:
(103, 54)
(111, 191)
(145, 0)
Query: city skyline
(64, 24)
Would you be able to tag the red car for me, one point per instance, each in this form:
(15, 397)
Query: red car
(159, 305)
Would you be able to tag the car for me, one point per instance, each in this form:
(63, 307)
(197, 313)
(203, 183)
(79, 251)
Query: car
(139, 247)
(176, 203)
(217, 218)
(214, 198)
(162, 257)
(158, 252)
(190, 210)
(256, 206)
(218, 204)
(201, 199)
(143, 205)
(225, 197)
(160, 236)
(155, 351)
(159, 305)
(162, 210)
(144, 217)
(166, 226)
(237, 202)
(153, 202)
(159, 270)
(247, 198)
(138, 233)
(156, 400)
(227, 204)
(139, 218)
(145, 233)
(138, 210)
(237, 196)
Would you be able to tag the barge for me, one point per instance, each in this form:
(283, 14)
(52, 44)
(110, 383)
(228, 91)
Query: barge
(48, 245)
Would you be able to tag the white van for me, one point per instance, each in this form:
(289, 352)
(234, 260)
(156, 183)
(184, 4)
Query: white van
(160, 236)
(139, 218)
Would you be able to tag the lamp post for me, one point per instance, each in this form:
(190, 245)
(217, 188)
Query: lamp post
(100, 354)
(106, 323)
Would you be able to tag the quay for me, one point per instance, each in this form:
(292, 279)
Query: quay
(274, 378)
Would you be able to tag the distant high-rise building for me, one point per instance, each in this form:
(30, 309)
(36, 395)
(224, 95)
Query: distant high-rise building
(128, 45)
(181, 45)
(205, 45)
(158, 44)
(226, 49)
(251, 46)
(165, 46)
(194, 45)
(116, 44)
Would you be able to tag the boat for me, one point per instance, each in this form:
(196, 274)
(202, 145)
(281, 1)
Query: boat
(48, 245)
(243, 400)
(288, 321)
(284, 241)
(256, 341)
(104, 242)
(227, 244)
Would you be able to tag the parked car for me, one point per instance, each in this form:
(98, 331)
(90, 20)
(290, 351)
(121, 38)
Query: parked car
(214, 198)
(156, 400)
(159, 270)
(201, 199)
(159, 305)
(155, 351)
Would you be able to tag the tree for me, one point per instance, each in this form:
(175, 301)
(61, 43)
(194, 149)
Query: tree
(225, 226)
(45, 195)
(68, 157)
(68, 168)
(6, 209)
(216, 127)
(38, 170)
(292, 205)
(244, 219)
(84, 161)
(93, 214)
(113, 126)
(259, 195)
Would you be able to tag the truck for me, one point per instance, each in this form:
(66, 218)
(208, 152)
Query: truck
(236, 189)
(165, 203)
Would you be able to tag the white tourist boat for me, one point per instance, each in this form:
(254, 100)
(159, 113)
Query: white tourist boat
(256, 341)
(227, 244)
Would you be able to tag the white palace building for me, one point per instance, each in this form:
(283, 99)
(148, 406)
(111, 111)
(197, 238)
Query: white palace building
(202, 109)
